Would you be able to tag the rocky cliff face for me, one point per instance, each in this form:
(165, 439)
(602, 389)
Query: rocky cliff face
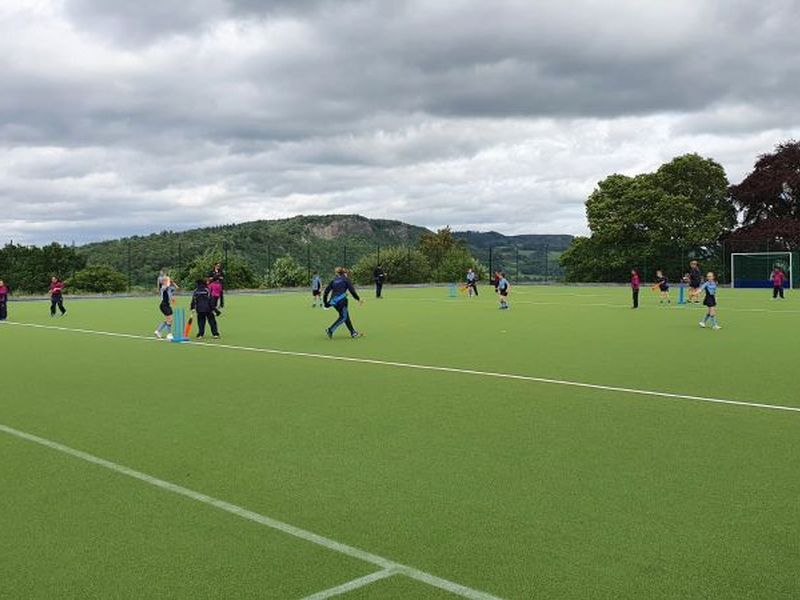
(340, 227)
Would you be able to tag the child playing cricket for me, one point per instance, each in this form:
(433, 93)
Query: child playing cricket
(215, 289)
(218, 274)
(56, 296)
(695, 281)
(472, 283)
(635, 285)
(662, 284)
(777, 278)
(203, 305)
(503, 287)
(316, 291)
(710, 301)
(167, 300)
(3, 300)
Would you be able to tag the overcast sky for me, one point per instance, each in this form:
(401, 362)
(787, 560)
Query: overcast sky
(132, 117)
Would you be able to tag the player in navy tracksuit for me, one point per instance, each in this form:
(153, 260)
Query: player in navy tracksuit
(203, 304)
(336, 296)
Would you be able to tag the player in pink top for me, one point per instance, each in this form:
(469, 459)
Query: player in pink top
(3, 300)
(777, 282)
(215, 288)
(56, 296)
(635, 285)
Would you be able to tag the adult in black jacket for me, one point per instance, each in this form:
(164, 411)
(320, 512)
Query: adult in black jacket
(204, 306)
(378, 275)
(335, 295)
(217, 274)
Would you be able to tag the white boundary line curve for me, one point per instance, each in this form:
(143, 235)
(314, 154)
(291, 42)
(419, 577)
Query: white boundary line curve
(388, 567)
(434, 368)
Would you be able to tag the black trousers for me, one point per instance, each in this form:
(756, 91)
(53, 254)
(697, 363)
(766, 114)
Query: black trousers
(214, 302)
(201, 323)
(222, 299)
(777, 291)
(474, 287)
(57, 300)
(378, 288)
(635, 298)
(3, 311)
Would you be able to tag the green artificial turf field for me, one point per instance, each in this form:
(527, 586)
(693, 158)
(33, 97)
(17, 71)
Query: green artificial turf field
(509, 487)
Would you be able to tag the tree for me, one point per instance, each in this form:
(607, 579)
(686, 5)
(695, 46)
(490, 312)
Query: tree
(657, 219)
(436, 245)
(286, 272)
(769, 199)
(448, 256)
(98, 279)
(29, 268)
(402, 265)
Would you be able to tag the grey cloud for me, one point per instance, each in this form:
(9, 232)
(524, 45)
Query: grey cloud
(116, 115)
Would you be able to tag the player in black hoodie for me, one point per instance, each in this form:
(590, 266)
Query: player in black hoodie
(204, 306)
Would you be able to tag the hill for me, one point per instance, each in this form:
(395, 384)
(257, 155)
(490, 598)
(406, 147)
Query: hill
(528, 257)
(316, 242)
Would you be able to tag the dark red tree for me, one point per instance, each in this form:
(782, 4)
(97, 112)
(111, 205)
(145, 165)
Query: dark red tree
(772, 190)
(769, 200)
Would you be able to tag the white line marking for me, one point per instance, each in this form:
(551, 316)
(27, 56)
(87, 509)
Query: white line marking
(619, 305)
(438, 369)
(385, 564)
(352, 585)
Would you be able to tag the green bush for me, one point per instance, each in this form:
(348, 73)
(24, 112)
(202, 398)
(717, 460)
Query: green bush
(286, 272)
(402, 265)
(238, 272)
(98, 279)
(453, 266)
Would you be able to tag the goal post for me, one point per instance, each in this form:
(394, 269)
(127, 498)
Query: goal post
(754, 269)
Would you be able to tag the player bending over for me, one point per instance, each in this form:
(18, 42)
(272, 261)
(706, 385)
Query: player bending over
(662, 285)
(166, 301)
(710, 301)
(336, 296)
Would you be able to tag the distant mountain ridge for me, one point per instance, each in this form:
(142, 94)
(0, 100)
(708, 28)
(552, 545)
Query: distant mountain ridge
(316, 241)
(487, 239)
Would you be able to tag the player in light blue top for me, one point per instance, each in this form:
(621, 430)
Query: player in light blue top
(166, 292)
(316, 291)
(472, 283)
(502, 288)
(710, 301)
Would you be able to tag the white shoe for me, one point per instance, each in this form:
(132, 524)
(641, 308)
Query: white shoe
(157, 333)
(702, 324)
(717, 327)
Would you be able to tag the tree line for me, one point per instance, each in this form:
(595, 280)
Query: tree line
(686, 210)
(437, 257)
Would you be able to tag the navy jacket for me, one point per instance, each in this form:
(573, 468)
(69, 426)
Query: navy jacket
(201, 300)
(337, 291)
